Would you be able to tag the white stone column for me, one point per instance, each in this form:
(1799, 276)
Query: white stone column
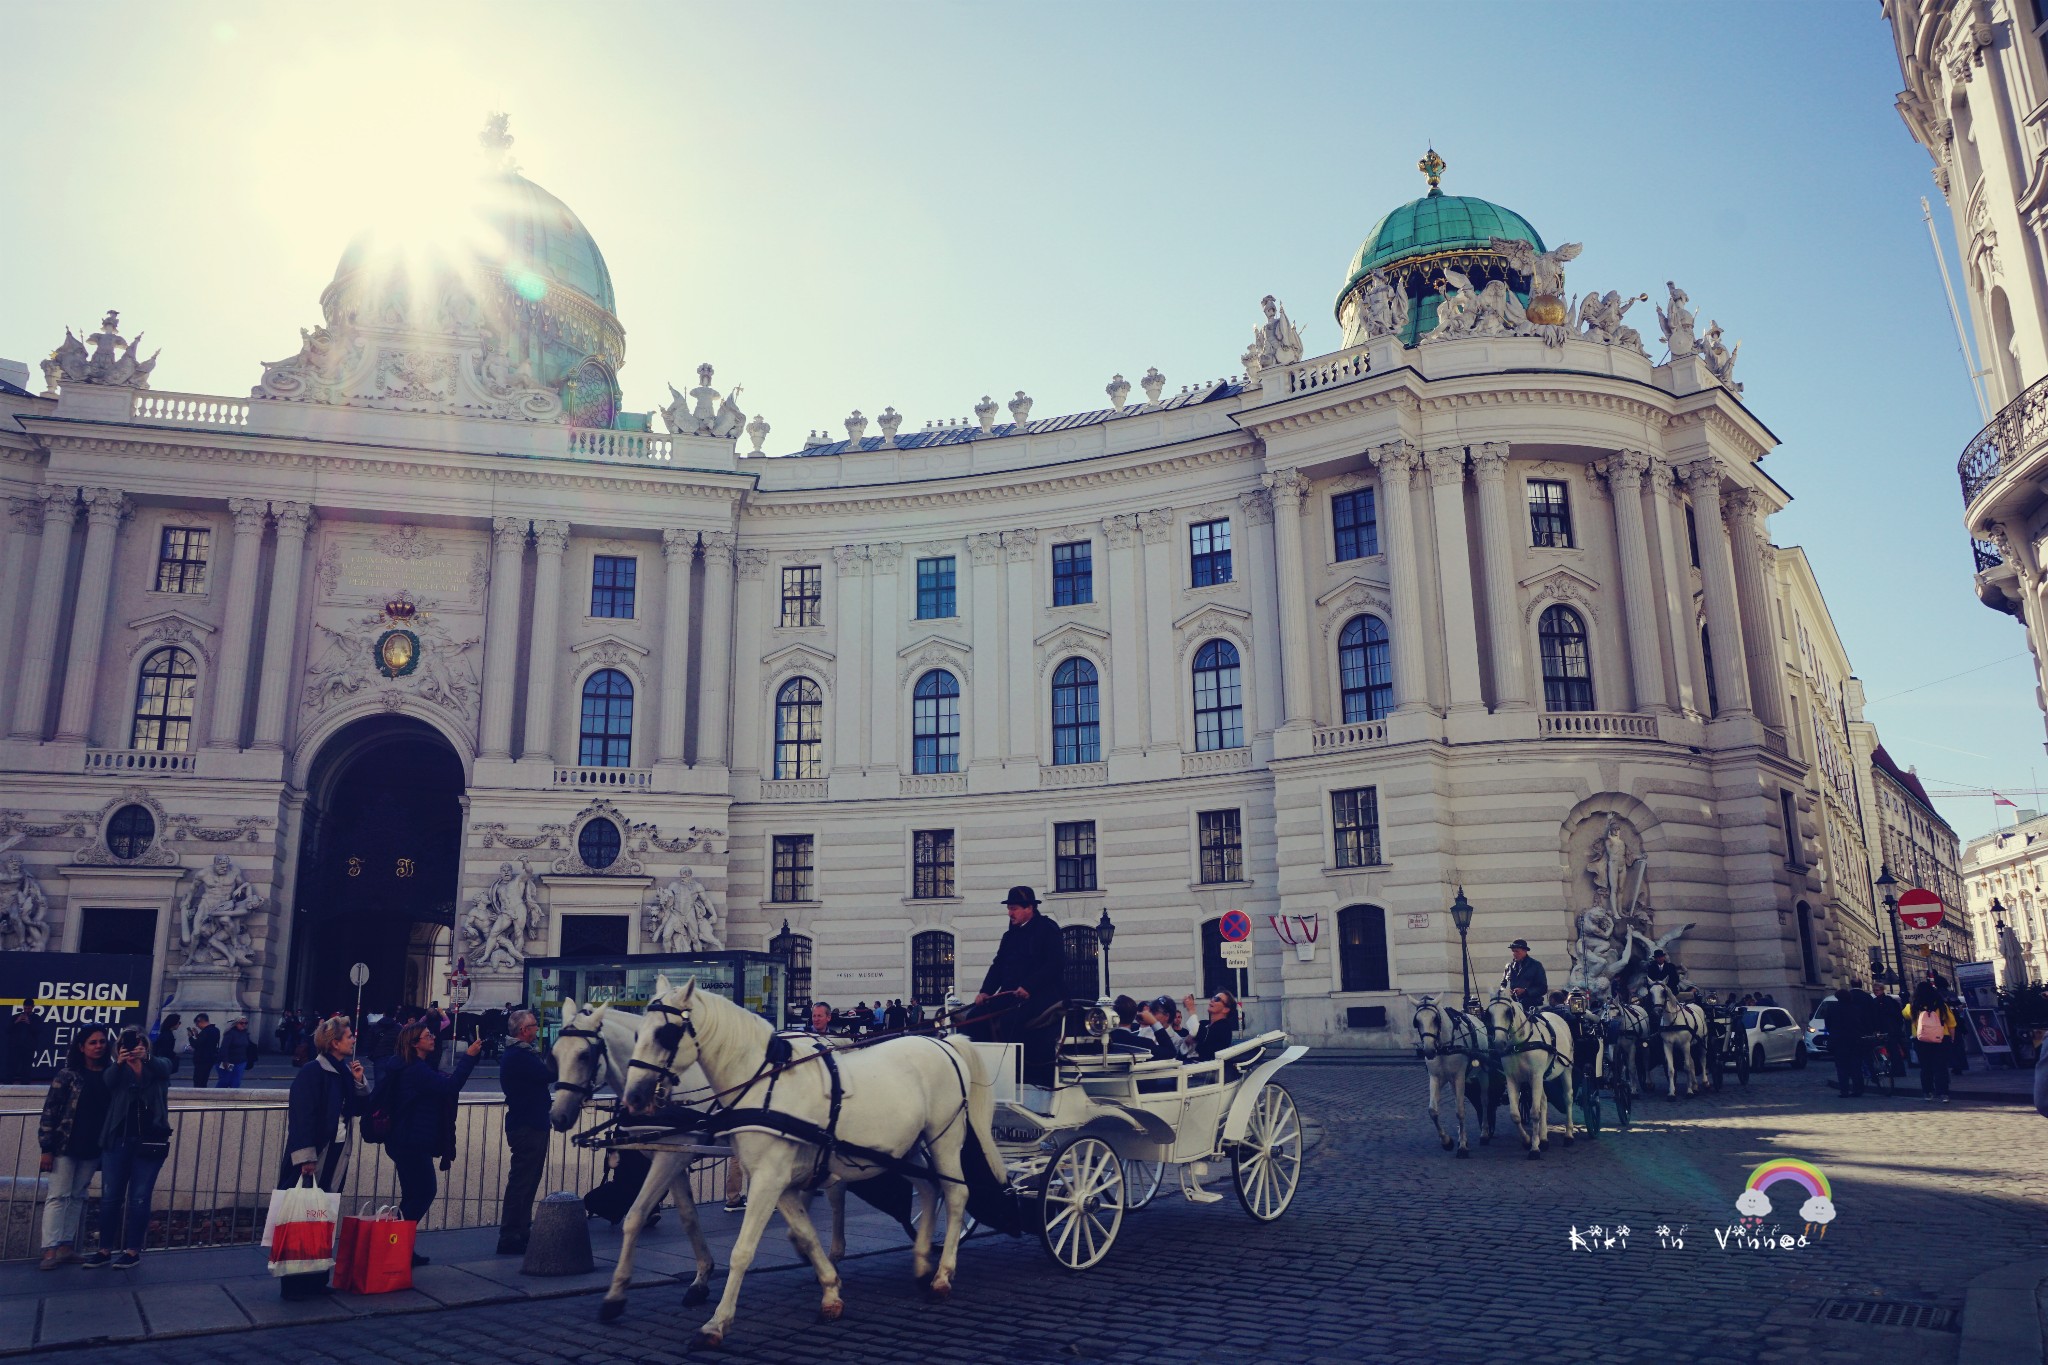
(678, 550)
(1020, 610)
(281, 623)
(850, 671)
(1688, 680)
(1289, 488)
(17, 573)
(544, 647)
(238, 623)
(58, 508)
(1396, 461)
(1724, 617)
(501, 635)
(885, 614)
(714, 715)
(105, 508)
(1644, 647)
(1750, 542)
(1124, 591)
(1263, 560)
(1503, 600)
(985, 624)
(1454, 578)
(1165, 572)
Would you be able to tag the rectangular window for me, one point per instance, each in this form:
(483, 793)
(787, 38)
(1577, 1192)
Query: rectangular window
(1073, 854)
(803, 596)
(935, 588)
(1550, 514)
(1357, 522)
(1222, 846)
(792, 873)
(1209, 552)
(1788, 815)
(1357, 822)
(181, 559)
(611, 586)
(1073, 574)
(931, 863)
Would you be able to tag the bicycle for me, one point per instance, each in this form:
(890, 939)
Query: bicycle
(1882, 1066)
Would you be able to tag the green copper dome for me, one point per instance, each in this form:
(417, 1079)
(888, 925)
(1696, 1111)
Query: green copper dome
(1435, 223)
(544, 238)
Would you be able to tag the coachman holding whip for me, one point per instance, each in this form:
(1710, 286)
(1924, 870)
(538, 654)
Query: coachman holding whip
(1025, 991)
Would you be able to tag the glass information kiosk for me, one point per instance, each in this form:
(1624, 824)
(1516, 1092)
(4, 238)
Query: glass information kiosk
(756, 981)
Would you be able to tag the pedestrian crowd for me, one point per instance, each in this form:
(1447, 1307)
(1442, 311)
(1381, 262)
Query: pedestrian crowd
(1864, 1029)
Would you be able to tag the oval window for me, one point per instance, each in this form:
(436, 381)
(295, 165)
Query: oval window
(131, 832)
(597, 844)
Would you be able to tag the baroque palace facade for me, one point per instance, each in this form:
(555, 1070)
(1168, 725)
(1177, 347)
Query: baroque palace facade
(426, 649)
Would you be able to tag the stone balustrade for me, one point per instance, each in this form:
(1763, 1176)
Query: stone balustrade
(629, 778)
(139, 761)
(1332, 739)
(190, 409)
(1595, 725)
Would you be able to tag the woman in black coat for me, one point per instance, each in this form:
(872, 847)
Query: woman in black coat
(326, 1093)
(422, 1103)
(1214, 1033)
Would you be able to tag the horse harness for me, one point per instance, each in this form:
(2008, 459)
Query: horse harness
(1463, 1030)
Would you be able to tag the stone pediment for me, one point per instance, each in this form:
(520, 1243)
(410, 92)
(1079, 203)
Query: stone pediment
(934, 642)
(1355, 591)
(172, 628)
(1090, 634)
(1212, 616)
(935, 651)
(793, 659)
(613, 651)
(1560, 584)
(1072, 638)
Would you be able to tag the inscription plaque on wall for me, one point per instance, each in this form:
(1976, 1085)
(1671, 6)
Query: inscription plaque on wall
(369, 565)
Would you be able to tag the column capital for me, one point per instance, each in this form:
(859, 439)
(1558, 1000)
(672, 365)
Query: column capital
(1745, 505)
(105, 506)
(1156, 524)
(1020, 546)
(722, 543)
(1120, 530)
(551, 538)
(1287, 488)
(249, 515)
(1663, 474)
(678, 543)
(509, 533)
(1256, 506)
(1624, 470)
(885, 558)
(850, 561)
(1446, 465)
(1701, 476)
(293, 518)
(1396, 457)
(987, 547)
(1490, 461)
(26, 514)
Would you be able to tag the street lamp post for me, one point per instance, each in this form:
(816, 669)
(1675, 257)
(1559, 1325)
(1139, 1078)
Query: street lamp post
(1105, 933)
(1887, 886)
(1461, 915)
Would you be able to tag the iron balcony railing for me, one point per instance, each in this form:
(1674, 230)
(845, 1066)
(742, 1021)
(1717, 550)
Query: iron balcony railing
(2019, 427)
(1985, 553)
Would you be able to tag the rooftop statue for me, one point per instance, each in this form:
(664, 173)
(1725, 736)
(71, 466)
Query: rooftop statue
(1466, 310)
(1720, 359)
(704, 412)
(1677, 323)
(1275, 341)
(1600, 318)
(1385, 308)
(113, 360)
(1545, 269)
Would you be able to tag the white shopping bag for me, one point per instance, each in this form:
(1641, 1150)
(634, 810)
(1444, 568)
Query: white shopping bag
(300, 1229)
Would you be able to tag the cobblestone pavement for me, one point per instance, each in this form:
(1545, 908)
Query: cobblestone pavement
(1393, 1252)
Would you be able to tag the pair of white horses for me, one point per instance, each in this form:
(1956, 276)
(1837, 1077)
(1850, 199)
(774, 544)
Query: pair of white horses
(921, 1094)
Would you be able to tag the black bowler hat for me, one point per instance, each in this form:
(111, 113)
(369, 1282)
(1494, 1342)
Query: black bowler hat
(1021, 895)
(1521, 943)
(1658, 953)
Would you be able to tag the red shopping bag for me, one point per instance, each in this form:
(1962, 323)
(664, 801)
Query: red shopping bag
(374, 1255)
(301, 1230)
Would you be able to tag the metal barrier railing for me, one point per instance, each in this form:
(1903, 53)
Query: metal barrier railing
(214, 1190)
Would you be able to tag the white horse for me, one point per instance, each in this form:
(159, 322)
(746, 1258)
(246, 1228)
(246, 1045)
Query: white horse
(1683, 1030)
(893, 1097)
(1450, 1041)
(1532, 1049)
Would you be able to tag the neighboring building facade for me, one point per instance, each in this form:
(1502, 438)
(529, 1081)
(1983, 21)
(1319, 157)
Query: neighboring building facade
(2008, 868)
(427, 651)
(1976, 74)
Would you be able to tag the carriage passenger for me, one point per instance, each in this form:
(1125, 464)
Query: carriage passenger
(1523, 978)
(1213, 1034)
(1126, 1032)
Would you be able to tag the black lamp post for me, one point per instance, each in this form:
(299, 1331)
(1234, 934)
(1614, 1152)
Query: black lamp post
(1105, 933)
(1461, 915)
(1887, 886)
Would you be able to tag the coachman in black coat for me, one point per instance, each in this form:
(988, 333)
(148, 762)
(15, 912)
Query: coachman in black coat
(1032, 958)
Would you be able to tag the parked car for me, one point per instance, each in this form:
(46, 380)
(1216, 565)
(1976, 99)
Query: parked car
(1817, 1029)
(1773, 1035)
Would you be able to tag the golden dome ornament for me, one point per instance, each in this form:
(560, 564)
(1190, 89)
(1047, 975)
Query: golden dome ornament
(1547, 310)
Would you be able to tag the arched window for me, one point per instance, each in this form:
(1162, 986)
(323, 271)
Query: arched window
(1362, 947)
(1219, 697)
(799, 730)
(931, 967)
(1084, 962)
(1567, 665)
(1076, 713)
(163, 702)
(935, 724)
(607, 734)
(1365, 670)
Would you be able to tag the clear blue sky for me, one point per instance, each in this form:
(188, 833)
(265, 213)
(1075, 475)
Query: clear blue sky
(916, 204)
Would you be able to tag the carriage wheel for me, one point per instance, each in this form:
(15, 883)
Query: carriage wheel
(1141, 1182)
(1624, 1096)
(1744, 1063)
(1267, 1164)
(1081, 1203)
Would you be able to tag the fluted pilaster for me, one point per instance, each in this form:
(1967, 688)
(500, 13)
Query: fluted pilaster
(105, 509)
(58, 506)
(550, 540)
(238, 624)
(1503, 603)
(678, 552)
(501, 638)
(1717, 574)
(1643, 646)
(1396, 462)
(281, 626)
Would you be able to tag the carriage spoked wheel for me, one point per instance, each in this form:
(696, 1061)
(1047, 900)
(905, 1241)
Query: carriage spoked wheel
(1081, 1202)
(1141, 1182)
(1623, 1088)
(1267, 1163)
(1743, 1064)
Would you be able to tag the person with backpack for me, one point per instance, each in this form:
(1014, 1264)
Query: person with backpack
(421, 1102)
(1933, 1025)
(325, 1093)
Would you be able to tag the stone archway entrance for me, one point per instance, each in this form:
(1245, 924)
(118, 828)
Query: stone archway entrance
(379, 860)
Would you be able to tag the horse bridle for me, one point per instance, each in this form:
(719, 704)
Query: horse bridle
(1443, 1016)
(603, 1061)
(686, 1029)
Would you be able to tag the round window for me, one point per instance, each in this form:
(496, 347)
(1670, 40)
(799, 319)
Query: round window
(598, 844)
(131, 832)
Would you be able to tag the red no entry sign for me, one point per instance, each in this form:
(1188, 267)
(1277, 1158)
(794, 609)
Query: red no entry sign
(1235, 926)
(1920, 909)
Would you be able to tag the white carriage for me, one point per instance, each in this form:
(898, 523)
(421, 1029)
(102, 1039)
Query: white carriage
(1099, 1141)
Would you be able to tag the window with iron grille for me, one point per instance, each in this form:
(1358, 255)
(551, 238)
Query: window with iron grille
(1567, 664)
(1219, 697)
(1073, 856)
(1222, 846)
(611, 585)
(931, 864)
(795, 952)
(606, 738)
(931, 966)
(935, 588)
(164, 697)
(1365, 669)
(1076, 714)
(1357, 524)
(803, 595)
(935, 724)
(792, 870)
(1356, 817)
(181, 559)
(799, 730)
(131, 832)
(1209, 552)
(1073, 573)
(1084, 962)
(1550, 514)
